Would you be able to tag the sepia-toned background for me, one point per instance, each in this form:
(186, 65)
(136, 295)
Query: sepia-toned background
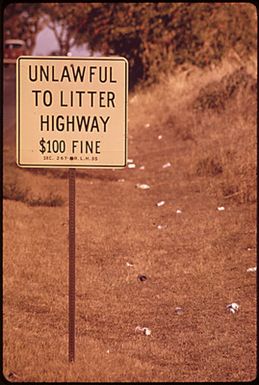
(165, 248)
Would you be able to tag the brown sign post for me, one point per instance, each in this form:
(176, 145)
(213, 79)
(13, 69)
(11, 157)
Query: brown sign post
(72, 267)
(71, 112)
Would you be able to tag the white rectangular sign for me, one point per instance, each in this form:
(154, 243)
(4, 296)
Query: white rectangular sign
(71, 112)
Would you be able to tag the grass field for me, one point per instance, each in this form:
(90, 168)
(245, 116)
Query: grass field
(204, 124)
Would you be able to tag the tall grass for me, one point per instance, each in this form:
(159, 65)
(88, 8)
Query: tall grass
(16, 187)
(213, 112)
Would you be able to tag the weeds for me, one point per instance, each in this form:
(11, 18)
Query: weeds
(209, 166)
(51, 200)
(216, 94)
(13, 191)
(212, 115)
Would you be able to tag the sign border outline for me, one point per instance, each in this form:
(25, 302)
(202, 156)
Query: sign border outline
(18, 141)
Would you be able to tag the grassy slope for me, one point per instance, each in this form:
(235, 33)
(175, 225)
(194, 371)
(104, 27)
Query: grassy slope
(198, 261)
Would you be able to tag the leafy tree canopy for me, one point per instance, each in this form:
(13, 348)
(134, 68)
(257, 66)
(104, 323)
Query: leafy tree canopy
(154, 37)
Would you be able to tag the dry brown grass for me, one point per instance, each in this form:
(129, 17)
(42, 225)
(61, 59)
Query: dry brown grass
(216, 112)
(198, 261)
(17, 187)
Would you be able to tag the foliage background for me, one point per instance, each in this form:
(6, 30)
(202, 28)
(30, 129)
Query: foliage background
(156, 38)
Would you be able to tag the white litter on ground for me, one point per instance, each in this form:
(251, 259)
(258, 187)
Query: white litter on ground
(121, 180)
(142, 168)
(142, 186)
(161, 203)
(178, 211)
(143, 330)
(251, 269)
(131, 165)
(161, 227)
(233, 307)
(130, 161)
(159, 137)
(166, 165)
(179, 310)
(147, 125)
(129, 264)
(221, 208)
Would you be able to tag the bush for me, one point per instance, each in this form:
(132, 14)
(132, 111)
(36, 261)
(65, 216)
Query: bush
(215, 95)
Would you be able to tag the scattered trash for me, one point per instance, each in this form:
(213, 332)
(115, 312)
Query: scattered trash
(147, 125)
(142, 186)
(142, 277)
(221, 208)
(179, 310)
(131, 165)
(178, 211)
(147, 331)
(130, 161)
(233, 307)
(159, 137)
(161, 227)
(249, 248)
(108, 351)
(143, 330)
(251, 269)
(161, 203)
(142, 168)
(166, 165)
(129, 264)
(121, 180)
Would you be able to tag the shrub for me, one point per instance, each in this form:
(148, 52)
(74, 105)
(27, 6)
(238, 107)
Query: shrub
(215, 95)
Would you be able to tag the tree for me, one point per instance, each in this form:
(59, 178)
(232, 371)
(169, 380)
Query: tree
(21, 21)
(154, 37)
(61, 19)
(158, 37)
(25, 20)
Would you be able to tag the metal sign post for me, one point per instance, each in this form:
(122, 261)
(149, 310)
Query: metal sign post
(72, 263)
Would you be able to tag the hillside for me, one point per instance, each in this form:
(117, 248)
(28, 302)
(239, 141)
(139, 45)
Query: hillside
(192, 138)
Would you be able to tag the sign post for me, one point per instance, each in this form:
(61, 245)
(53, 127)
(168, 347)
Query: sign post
(71, 113)
(72, 267)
